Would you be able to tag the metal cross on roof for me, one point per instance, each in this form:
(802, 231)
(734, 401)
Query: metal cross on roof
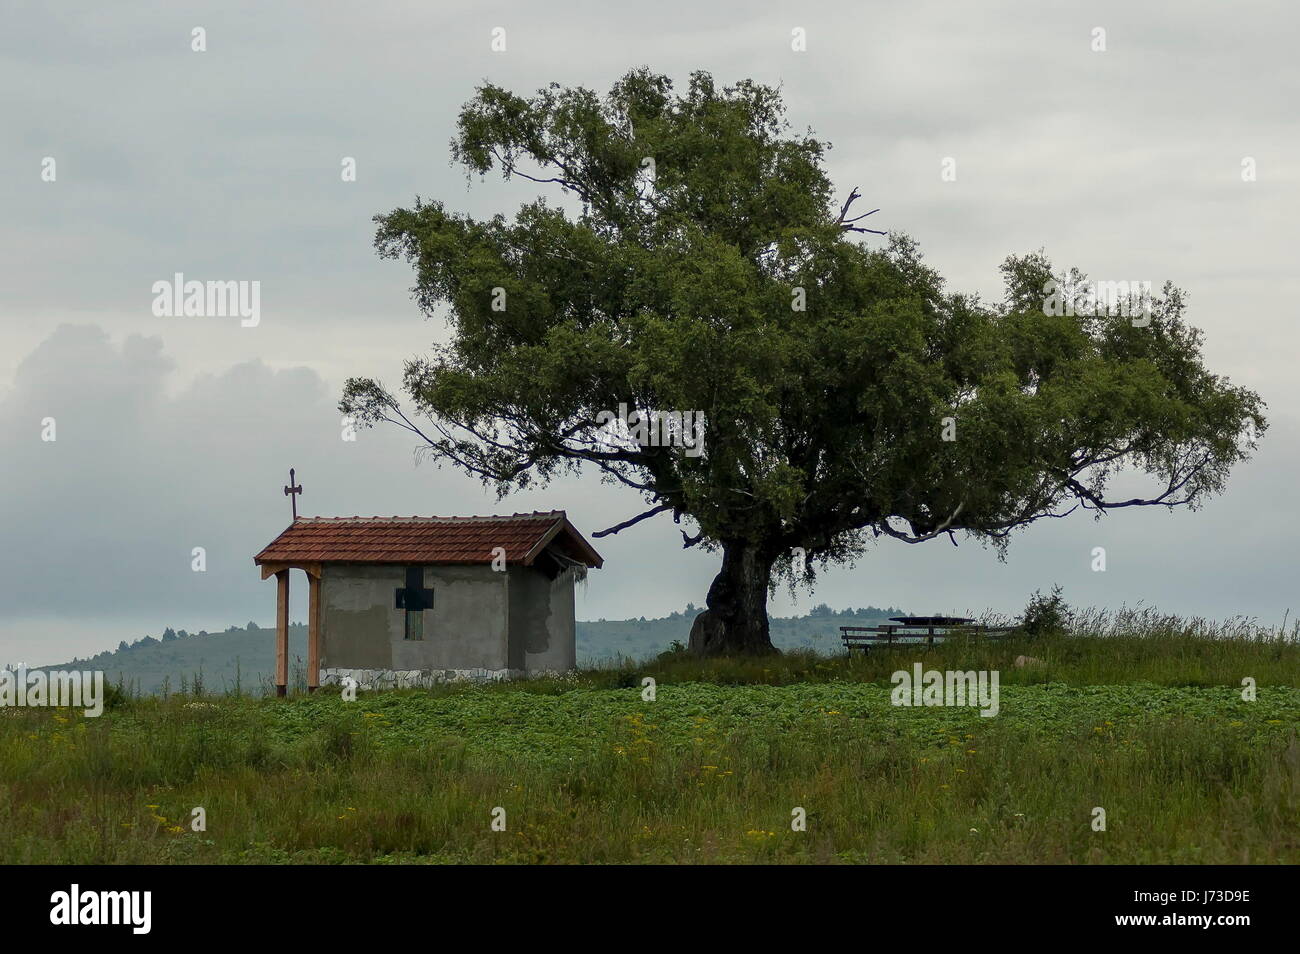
(292, 493)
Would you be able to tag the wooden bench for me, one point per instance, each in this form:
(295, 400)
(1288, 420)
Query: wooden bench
(912, 630)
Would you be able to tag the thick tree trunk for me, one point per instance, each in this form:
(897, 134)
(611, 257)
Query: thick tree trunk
(735, 622)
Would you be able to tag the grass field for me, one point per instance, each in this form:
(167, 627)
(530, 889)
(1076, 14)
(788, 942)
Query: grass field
(1150, 727)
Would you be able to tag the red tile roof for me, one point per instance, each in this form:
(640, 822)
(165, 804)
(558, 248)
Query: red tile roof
(428, 540)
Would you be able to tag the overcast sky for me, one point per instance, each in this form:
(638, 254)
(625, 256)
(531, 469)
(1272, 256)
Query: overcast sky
(176, 433)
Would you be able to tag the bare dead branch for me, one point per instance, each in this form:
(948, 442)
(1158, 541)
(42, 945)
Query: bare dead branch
(846, 223)
(633, 521)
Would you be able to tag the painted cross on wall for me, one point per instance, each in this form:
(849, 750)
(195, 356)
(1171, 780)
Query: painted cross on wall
(415, 598)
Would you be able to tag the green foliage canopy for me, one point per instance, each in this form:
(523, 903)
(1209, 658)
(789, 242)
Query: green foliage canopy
(674, 290)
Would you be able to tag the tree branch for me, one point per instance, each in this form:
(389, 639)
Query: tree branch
(635, 520)
(921, 538)
(846, 224)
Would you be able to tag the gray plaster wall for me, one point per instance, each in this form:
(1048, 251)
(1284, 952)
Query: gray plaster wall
(542, 627)
(467, 628)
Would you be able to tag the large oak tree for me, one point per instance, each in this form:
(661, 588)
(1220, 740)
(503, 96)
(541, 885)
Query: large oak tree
(699, 259)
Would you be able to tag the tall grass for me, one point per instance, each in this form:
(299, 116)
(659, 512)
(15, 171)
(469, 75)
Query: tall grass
(1100, 648)
(1139, 714)
(1176, 790)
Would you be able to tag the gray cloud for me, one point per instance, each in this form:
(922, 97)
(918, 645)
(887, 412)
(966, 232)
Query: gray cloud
(225, 165)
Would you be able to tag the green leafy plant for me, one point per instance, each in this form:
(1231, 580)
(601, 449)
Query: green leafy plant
(1046, 615)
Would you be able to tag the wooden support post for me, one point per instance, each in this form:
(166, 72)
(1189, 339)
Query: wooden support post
(313, 633)
(282, 632)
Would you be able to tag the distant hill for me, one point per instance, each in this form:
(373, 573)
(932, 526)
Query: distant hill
(636, 638)
(245, 656)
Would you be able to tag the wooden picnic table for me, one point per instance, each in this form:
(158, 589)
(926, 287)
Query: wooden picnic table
(914, 629)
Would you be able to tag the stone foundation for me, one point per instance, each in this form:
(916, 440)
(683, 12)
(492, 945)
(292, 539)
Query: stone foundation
(375, 679)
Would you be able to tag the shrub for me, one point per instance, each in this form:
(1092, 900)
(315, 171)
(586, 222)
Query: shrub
(1045, 615)
(676, 650)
